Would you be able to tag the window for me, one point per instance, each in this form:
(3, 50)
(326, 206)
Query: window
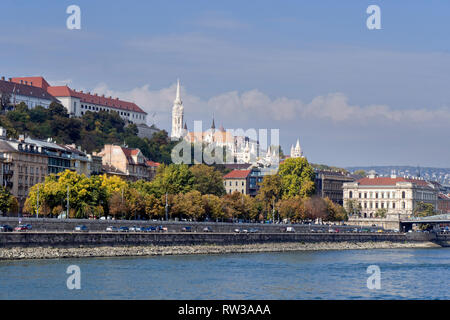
(365, 195)
(403, 205)
(350, 195)
(376, 195)
(360, 195)
(403, 195)
(393, 205)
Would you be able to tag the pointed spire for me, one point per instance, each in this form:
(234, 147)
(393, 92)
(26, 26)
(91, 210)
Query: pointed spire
(213, 126)
(298, 144)
(185, 126)
(178, 98)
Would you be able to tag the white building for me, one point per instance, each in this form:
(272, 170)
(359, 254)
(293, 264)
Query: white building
(384, 201)
(25, 91)
(78, 103)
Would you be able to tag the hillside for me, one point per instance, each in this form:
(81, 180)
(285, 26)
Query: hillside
(92, 131)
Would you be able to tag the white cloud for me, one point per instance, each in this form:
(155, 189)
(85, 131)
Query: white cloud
(256, 105)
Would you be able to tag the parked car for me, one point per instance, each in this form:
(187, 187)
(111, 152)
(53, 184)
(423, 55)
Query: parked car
(244, 231)
(237, 230)
(150, 229)
(133, 228)
(81, 228)
(161, 229)
(20, 228)
(6, 228)
(186, 229)
(207, 229)
(291, 229)
(253, 230)
(331, 230)
(28, 226)
(124, 229)
(112, 229)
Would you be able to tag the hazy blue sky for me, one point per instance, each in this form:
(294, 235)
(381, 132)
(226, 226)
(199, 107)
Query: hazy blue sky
(310, 68)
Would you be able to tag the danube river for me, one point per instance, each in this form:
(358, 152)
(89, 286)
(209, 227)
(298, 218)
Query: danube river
(404, 274)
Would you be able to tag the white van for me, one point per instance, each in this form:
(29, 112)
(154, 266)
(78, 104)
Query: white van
(290, 229)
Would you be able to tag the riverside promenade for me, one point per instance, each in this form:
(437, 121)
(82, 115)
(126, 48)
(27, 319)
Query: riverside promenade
(54, 238)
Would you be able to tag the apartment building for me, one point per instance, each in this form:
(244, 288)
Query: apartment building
(127, 163)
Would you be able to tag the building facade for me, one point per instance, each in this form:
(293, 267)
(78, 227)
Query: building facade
(237, 180)
(78, 103)
(329, 184)
(26, 91)
(127, 163)
(384, 201)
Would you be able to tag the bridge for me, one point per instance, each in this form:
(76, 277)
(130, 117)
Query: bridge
(434, 220)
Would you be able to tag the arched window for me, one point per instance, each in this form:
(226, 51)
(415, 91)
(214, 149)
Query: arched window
(403, 194)
(350, 194)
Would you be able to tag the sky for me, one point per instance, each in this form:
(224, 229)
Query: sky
(312, 69)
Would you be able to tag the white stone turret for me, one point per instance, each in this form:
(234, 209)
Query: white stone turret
(297, 151)
(177, 115)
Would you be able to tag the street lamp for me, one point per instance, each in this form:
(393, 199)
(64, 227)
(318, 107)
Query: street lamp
(167, 209)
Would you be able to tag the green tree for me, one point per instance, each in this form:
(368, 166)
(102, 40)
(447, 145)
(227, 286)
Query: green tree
(381, 213)
(188, 205)
(6, 200)
(207, 180)
(424, 209)
(297, 178)
(172, 179)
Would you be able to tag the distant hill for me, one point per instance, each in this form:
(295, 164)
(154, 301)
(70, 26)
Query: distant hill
(441, 175)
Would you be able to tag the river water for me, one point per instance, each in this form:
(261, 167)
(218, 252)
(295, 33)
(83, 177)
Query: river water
(404, 274)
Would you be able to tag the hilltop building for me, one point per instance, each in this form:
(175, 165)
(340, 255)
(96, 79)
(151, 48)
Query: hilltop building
(243, 149)
(27, 91)
(36, 91)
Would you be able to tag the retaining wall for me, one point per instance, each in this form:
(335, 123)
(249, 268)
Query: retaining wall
(76, 239)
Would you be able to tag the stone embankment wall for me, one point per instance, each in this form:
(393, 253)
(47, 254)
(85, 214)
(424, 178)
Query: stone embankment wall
(47, 224)
(76, 239)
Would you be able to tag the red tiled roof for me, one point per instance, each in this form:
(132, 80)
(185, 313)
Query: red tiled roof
(237, 174)
(388, 181)
(153, 163)
(24, 90)
(65, 91)
(35, 81)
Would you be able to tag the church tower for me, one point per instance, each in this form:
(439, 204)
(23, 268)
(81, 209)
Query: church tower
(297, 151)
(177, 115)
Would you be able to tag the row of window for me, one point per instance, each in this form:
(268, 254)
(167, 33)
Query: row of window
(235, 183)
(377, 195)
(122, 113)
(381, 205)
